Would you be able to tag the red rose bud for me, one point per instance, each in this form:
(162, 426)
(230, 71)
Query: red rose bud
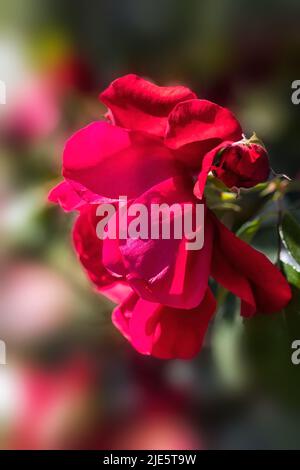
(242, 165)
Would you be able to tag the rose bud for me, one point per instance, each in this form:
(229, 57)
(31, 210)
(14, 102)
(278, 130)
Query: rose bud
(242, 165)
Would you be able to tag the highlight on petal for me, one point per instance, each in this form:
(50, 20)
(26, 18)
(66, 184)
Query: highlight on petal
(109, 161)
(197, 126)
(247, 273)
(89, 250)
(138, 104)
(164, 332)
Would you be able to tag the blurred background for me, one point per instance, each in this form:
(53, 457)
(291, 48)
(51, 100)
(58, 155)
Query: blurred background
(71, 381)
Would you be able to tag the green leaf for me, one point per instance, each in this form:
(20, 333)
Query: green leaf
(290, 267)
(292, 275)
(247, 231)
(290, 235)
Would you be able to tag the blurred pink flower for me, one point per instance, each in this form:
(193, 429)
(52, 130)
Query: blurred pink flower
(34, 112)
(34, 301)
(52, 405)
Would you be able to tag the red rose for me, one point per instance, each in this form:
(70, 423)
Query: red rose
(157, 140)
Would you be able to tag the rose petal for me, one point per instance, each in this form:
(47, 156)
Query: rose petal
(137, 104)
(161, 331)
(89, 250)
(197, 126)
(247, 273)
(65, 195)
(110, 161)
(206, 167)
